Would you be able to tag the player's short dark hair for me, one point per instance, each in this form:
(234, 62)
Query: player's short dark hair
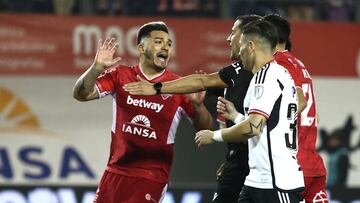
(246, 19)
(263, 29)
(288, 45)
(147, 28)
(282, 25)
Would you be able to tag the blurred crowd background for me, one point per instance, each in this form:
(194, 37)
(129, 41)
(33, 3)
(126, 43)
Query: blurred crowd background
(297, 10)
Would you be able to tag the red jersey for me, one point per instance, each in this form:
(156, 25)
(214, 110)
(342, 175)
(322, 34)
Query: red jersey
(309, 159)
(144, 127)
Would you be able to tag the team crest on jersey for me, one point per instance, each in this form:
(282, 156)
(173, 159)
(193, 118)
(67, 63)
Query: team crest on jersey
(140, 125)
(320, 197)
(259, 90)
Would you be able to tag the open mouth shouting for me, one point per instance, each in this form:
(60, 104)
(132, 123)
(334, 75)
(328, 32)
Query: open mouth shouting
(162, 58)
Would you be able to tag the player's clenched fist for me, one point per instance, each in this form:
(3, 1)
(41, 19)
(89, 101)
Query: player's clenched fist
(204, 137)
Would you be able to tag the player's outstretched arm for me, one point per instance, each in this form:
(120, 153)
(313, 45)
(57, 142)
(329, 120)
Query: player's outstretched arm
(185, 85)
(250, 127)
(84, 89)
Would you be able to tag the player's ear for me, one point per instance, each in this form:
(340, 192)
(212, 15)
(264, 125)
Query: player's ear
(251, 46)
(141, 48)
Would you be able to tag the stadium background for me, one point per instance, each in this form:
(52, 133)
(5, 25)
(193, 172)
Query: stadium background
(54, 149)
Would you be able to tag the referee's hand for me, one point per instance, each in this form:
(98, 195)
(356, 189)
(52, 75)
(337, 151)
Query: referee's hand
(204, 137)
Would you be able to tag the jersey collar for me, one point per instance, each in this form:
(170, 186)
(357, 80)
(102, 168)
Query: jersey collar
(140, 72)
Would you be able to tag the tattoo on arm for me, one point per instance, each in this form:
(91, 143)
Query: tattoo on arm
(255, 127)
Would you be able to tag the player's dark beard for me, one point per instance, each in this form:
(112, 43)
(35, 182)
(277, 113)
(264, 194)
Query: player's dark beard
(151, 59)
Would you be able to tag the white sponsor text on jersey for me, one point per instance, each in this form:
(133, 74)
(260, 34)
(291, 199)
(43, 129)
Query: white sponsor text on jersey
(144, 104)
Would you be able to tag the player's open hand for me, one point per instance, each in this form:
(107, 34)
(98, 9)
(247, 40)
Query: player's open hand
(226, 109)
(204, 137)
(105, 54)
(143, 87)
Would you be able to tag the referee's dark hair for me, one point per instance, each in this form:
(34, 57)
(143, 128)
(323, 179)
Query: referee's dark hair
(147, 28)
(246, 19)
(283, 27)
(262, 29)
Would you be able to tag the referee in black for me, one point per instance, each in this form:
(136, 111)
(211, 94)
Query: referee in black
(232, 173)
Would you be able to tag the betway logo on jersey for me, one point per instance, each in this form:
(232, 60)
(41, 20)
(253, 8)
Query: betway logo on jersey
(139, 125)
(144, 104)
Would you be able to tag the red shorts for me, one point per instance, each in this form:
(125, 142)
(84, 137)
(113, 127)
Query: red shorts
(315, 190)
(115, 188)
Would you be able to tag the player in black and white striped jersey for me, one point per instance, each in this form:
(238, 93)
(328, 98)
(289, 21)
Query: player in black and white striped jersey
(270, 122)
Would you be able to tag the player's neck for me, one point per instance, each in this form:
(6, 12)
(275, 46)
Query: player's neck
(280, 47)
(261, 61)
(150, 72)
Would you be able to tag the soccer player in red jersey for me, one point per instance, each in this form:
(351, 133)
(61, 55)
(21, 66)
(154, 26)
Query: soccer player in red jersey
(232, 173)
(309, 159)
(144, 127)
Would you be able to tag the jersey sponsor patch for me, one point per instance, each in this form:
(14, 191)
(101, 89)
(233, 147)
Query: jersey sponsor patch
(142, 103)
(139, 125)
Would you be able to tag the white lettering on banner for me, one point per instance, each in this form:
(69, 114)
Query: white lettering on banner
(139, 125)
(92, 33)
(28, 63)
(88, 32)
(12, 31)
(144, 104)
(71, 163)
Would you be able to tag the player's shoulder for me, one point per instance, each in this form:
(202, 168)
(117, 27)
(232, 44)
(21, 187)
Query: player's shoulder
(285, 58)
(299, 63)
(236, 66)
(270, 71)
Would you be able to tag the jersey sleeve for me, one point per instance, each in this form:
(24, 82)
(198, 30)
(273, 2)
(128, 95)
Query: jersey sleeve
(290, 66)
(228, 73)
(265, 92)
(187, 107)
(302, 73)
(105, 83)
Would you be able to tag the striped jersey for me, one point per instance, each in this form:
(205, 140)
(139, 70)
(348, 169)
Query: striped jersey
(144, 127)
(272, 154)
